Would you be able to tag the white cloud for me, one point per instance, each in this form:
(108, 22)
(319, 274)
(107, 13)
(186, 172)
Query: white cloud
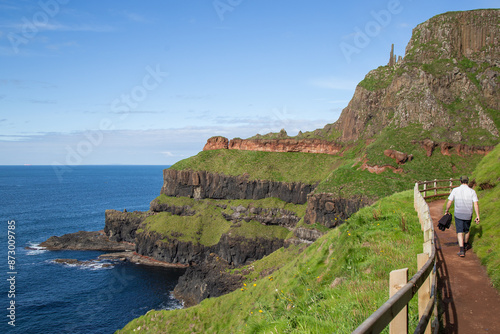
(59, 46)
(153, 146)
(52, 26)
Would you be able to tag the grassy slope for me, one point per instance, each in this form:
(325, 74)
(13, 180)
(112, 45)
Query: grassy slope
(301, 296)
(207, 225)
(350, 180)
(288, 167)
(486, 236)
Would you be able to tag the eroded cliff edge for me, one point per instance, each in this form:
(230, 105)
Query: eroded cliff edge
(203, 184)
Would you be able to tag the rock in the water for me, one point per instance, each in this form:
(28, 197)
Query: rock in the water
(84, 240)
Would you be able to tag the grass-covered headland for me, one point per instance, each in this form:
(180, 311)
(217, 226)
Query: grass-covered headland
(330, 286)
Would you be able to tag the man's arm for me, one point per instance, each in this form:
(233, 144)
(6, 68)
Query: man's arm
(476, 208)
(448, 206)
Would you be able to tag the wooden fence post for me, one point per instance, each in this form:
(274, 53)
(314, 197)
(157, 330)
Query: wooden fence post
(398, 279)
(424, 293)
(425, 187)
(435, 186)
(415, 196)
(428, 247)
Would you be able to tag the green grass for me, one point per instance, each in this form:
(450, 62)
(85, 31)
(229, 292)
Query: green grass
(200, 205)
(328, 132)
(329, 287)
(350, 181)
(378, 79)
(284, 167)
(438, 67)
(207, 225)
(421, 167)
(485, 237)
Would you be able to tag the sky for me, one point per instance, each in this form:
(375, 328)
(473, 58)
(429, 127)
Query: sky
(148, 82)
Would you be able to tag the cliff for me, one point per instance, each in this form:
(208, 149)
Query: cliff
(241, 200)
(310, 145)
(202, 184)
(447, 83)
(446, 86)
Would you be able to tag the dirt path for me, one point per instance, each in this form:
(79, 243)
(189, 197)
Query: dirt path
(468, 301)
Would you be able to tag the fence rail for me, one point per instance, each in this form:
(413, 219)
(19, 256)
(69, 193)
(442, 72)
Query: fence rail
(394, 312)
(435, 187)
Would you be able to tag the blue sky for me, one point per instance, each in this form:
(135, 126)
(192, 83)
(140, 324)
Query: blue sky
(148, 82)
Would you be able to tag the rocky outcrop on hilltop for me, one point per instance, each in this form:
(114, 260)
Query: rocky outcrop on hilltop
(448, 80)
(400, 157)
(286, 145)
(216, 143)
(202, 184)
(472, 34)
(447, 148)
(309, 145)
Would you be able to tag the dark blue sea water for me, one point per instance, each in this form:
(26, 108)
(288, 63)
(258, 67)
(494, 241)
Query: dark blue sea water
(57, 298)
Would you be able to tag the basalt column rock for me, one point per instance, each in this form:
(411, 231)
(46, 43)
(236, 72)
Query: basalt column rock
(202, 184)
(122, 226)
(330, 211)
(208, 279)
(236, 250)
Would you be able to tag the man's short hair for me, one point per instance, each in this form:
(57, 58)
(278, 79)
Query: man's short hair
(464, 179)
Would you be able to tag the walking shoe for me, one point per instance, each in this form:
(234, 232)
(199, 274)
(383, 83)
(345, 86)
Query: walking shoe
(467, 246)
(461, 253)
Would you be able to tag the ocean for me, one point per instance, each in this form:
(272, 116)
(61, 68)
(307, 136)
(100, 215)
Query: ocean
(39, 295)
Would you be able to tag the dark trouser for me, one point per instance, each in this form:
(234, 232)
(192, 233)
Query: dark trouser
(462, 225)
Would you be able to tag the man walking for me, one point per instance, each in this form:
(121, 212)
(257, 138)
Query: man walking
(465, 198)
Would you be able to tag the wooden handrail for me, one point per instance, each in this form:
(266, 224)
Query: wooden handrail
(442, 180)
(446, 187)
(388, 311)
(436, 188)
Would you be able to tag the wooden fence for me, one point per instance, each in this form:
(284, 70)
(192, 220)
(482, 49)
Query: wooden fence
(438, 185)
(394, 312)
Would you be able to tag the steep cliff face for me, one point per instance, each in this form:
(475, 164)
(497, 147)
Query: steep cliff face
(331, 211)
(448, 82)
(122, 226)
(471, 34)
(312, 145)
(184, 210)
(207, 279)
(201, 184)
(235, 250)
